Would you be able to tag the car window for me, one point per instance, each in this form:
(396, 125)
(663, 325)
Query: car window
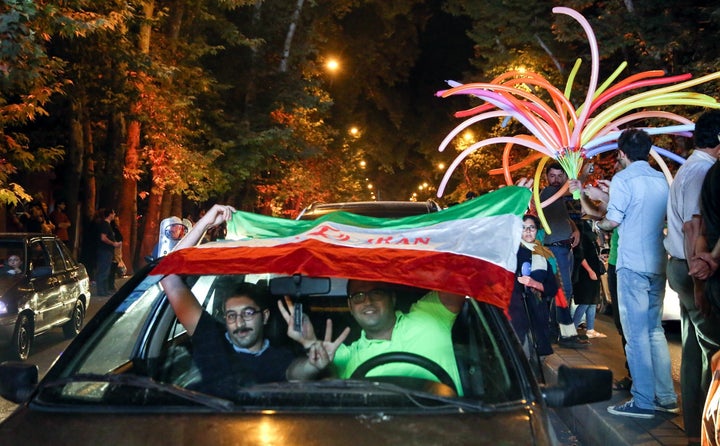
(38, 255)
(67, 255)
(12, 248)
(113, 345)
(56, 258)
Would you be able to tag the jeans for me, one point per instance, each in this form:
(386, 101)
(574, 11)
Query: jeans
(612, 284)
(565, 260)
(640, 298)
(700, 339)
(589, 312)
(102, 272)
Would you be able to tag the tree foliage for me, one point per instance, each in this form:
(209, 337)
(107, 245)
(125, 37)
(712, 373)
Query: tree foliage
(232, 102)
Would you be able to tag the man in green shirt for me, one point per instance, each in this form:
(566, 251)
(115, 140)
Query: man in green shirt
(425, 330)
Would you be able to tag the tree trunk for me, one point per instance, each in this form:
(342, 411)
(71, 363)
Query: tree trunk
(127, 207)
(289, 36)
(151, 226)
(127, 210)
(76, 166)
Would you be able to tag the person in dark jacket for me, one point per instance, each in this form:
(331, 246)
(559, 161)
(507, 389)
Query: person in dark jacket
(586, 286)
(534, 289)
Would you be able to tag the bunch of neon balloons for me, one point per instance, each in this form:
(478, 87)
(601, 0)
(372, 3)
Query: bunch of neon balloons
(568, 135)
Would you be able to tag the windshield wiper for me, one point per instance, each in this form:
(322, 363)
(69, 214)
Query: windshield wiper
(417, 397)
(147, 383)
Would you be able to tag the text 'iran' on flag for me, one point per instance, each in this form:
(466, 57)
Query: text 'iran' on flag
(466, 249)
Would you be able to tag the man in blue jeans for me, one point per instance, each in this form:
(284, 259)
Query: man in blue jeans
(563, 238)
(638, 199)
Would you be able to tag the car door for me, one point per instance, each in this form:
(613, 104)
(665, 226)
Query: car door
(63, 275)
(47, 302)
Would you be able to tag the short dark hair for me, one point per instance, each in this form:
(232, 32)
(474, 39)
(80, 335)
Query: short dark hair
(555, 166)
(227, 288)
(707, 130)
(533, 218)
(635, 143)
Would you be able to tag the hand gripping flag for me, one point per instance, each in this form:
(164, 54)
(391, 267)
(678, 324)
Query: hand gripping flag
(466, 249)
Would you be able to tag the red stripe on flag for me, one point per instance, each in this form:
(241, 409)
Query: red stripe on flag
(440, 271)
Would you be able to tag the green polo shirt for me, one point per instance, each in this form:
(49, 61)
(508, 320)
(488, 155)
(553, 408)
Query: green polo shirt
(425, 330)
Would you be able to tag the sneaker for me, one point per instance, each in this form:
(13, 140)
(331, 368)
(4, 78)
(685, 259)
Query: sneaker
(669, 408)
(629, 409)
(573, 342)
(595, 334)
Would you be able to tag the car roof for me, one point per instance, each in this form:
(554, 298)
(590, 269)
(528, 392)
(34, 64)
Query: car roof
(384, 209)
(23, 235)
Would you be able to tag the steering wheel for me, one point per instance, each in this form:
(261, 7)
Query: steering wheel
(410, 358)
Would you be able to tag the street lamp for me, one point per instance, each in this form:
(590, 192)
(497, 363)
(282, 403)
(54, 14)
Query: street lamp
(332, 65)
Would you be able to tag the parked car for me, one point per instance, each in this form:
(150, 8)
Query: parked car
(128, 377)
(671, 302)
(384, 209)
(46, 289)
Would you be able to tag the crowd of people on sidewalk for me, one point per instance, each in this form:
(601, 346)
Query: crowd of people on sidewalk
(101, 250)
(656, 232)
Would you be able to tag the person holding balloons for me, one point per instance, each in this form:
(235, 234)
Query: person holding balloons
(638, 198)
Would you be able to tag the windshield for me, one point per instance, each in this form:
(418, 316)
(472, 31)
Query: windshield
(141, 355)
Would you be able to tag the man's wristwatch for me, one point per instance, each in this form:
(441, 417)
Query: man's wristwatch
(597, 227)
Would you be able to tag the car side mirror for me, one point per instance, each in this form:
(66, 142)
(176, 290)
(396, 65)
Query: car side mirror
(17, 380)
(579, 385)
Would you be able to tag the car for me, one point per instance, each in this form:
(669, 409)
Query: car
(129, 377)
(48, 289)
(383, 209)
(671, 301)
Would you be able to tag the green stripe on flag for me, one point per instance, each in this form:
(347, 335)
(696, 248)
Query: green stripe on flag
(507, 200)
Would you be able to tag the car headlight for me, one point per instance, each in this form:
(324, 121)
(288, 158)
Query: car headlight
(3, 307)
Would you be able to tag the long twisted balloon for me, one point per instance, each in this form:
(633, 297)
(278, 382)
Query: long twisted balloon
(559, 131)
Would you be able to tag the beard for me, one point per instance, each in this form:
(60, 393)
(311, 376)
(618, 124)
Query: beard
(244, 337)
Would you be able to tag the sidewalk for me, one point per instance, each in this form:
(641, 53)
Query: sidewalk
(592, 423)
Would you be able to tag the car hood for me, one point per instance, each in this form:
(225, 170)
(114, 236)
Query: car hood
(513, 427)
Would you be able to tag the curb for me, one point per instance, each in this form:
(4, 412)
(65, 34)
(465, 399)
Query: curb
(594, 426)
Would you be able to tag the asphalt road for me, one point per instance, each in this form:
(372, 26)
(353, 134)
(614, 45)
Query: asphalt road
(47, 347)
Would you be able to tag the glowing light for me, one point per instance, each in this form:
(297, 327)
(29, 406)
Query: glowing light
(332, 65)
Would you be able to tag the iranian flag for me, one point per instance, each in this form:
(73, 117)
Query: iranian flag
(467, 249)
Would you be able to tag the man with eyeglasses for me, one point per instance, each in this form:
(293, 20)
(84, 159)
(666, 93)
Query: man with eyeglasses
(235, 354)
(425, 330)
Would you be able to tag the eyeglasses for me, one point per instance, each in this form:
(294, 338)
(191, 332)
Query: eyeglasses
(247, 314)
(374, 295)
(529, 228)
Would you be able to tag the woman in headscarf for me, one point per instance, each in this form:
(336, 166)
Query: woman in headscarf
(533, 291)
